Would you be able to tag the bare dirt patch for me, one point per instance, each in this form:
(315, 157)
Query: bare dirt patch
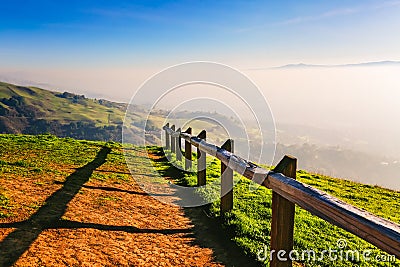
(108, 221)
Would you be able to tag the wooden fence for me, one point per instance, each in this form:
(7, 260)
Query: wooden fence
(286, 192)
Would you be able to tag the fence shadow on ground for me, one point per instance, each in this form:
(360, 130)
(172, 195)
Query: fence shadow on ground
(26, 232)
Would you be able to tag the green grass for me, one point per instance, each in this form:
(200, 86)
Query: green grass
(33, 152)
(4, 206)
(249, 223)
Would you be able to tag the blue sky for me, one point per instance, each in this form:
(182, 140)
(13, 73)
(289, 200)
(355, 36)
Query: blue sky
(108, 48)
(69, 34)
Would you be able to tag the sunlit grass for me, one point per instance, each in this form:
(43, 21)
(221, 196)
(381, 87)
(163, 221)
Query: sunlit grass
(249, 223)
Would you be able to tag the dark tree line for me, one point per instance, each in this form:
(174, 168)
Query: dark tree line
(20, 117)
(77, 130)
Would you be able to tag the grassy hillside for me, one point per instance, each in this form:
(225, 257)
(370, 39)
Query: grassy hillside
(65, 107)
(31, 110)
(249, 222)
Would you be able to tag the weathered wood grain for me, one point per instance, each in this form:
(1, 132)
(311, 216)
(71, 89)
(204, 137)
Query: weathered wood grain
(188, 151)
(282, 223)
(201, 161)
(226, 182)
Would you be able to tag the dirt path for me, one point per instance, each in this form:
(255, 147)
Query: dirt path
(89, 222)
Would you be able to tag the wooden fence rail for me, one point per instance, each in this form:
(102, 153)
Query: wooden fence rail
(287, 192)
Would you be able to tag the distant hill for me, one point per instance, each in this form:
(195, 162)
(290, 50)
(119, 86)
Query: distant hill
(31, 110)
(364, 64)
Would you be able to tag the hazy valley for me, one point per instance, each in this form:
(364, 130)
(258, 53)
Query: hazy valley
(32, 110)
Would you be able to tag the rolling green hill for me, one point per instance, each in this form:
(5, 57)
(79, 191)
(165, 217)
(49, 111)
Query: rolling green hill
(31, 110)
(63, 107)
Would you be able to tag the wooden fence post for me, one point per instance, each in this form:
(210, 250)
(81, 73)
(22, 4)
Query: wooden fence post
(282, 218)
(188, 151)
(178, 144)
(173, 140)
(167, 142)
(201, 162)
(226, 182)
